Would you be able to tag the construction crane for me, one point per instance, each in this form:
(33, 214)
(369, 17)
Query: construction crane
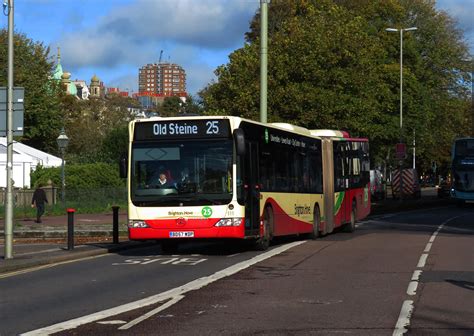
(161, 54)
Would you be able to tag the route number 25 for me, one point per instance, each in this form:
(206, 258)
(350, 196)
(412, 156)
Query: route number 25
(212, 127)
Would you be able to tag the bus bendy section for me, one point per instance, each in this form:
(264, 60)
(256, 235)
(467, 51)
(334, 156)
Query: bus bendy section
(232, 178)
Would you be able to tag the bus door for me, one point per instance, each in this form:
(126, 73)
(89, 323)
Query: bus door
(252, 189)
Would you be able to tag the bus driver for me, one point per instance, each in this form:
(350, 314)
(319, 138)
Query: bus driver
(163, 182)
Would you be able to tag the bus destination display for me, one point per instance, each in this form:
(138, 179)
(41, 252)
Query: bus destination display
(177, 129)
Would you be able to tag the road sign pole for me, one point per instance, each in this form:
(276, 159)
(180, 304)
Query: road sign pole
(9, 196)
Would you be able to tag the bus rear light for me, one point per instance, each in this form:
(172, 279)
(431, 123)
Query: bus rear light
(230, 222)
(137, 224)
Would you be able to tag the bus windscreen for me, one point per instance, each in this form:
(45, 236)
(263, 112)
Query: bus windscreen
(166, 173)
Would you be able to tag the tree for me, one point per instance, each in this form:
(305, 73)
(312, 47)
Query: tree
(332, 65)
(115, 144)
(32, 70)
(193, 106)
(93, 124)
(171, 106)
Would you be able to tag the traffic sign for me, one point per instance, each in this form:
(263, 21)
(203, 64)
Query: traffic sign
(17, 114)
(401, 151)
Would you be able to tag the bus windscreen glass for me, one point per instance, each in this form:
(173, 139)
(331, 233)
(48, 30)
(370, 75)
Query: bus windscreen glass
(167, 173)
(464, 148)
(463, 165)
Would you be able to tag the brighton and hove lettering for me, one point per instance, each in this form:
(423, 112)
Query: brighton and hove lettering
(180, 213)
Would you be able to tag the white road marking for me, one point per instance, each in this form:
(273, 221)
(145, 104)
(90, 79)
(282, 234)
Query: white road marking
(428, 247)
(152, 312)
(407, 308)
(112, 322)
(412, 288)
(404, 318)
(422, 261)
(416, 275)
(193, 285)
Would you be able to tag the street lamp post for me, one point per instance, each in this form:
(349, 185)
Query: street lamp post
(401, 69)
(400, 163)
(63, 141)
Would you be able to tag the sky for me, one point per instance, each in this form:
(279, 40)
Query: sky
(114, 38)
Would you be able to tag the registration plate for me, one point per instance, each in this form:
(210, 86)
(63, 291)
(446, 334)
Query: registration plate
(181, 234)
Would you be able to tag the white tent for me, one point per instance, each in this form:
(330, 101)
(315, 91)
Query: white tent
(25, 160)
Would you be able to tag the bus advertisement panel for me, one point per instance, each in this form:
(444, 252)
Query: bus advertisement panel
(227, 177)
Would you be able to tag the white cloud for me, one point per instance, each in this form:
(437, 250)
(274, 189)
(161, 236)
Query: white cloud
(187, 30)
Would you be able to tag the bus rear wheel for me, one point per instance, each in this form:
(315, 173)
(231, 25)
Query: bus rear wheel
(262, 243)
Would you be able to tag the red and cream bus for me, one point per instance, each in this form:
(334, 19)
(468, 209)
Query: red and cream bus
(228, 177)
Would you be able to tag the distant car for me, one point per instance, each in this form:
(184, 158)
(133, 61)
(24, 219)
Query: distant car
(444, 189)
(377, 188)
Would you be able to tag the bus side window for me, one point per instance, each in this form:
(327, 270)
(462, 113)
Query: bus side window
(338, 168)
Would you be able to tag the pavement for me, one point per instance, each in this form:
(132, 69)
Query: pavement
(38, 244)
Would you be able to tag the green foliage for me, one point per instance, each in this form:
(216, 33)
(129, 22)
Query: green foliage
(193, 106)
(80, 176)
(32, 70)
(115, 145)
(94, 125)
(331, 64)
(171, 107)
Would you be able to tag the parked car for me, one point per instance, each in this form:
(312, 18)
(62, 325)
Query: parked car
(377, 185)
(444, 189)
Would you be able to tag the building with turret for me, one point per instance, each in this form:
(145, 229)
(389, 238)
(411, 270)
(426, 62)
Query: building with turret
(78, 87)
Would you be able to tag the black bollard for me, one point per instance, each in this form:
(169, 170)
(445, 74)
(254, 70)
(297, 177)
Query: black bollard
(115, 210)
(70, 228)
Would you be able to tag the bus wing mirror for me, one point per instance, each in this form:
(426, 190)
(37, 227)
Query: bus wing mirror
(123, 163)
(239, 140)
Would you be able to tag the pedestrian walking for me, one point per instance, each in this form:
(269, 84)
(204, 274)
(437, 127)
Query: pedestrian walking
(39, 199)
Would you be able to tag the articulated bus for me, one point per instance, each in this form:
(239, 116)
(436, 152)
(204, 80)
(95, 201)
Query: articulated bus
(228, 177)
(462, 170)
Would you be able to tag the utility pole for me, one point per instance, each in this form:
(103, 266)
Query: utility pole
(9, 196)
(400, 163)
(263, 58)
(414, 145)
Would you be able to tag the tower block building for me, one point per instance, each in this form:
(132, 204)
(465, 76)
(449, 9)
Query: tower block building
(162, 79)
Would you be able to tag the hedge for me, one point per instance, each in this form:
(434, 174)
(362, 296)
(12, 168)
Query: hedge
(80, 176)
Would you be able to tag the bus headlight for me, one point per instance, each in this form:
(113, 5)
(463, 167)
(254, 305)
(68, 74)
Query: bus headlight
(137, 224)
(229, 222)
